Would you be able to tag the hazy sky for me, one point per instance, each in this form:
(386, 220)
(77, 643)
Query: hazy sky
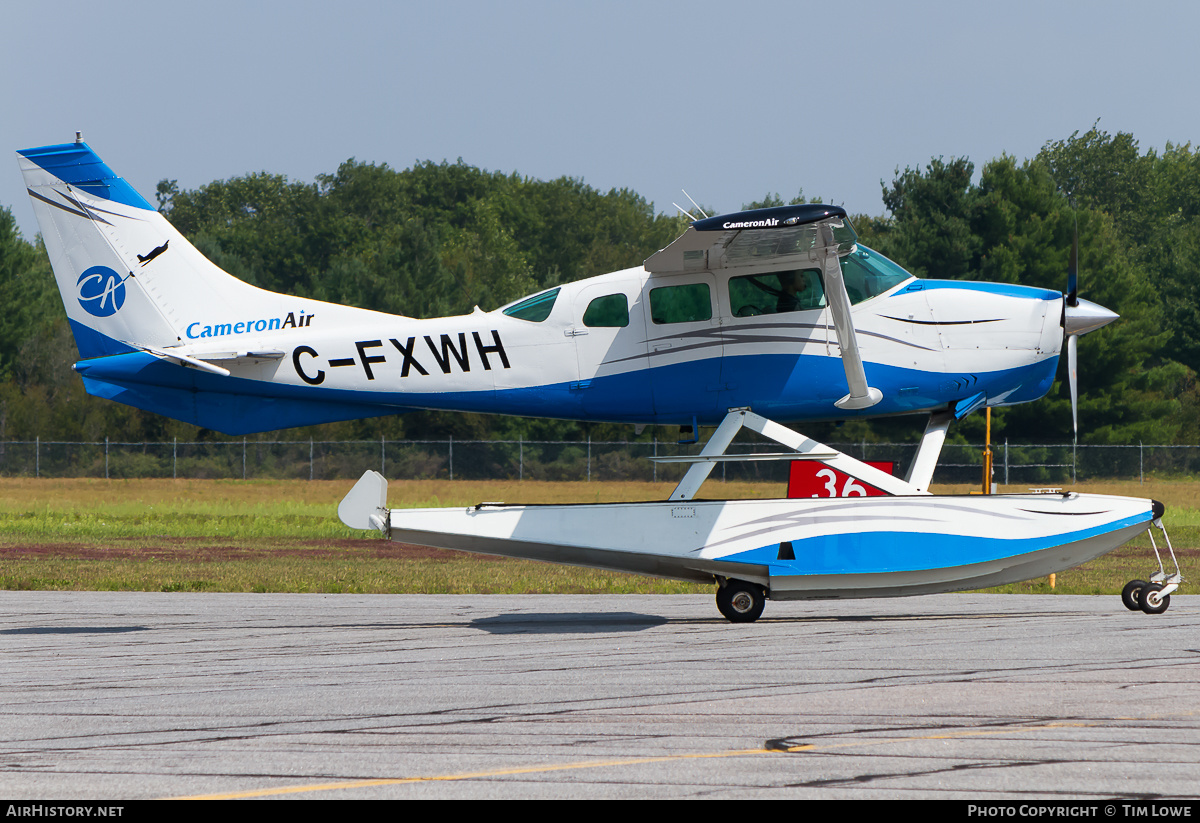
(727, 100)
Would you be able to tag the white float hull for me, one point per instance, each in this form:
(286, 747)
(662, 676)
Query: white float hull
(801, 549)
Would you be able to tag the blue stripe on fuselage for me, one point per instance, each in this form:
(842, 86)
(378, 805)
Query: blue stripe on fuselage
(786, 387)
(782, 387)
(1003, 289)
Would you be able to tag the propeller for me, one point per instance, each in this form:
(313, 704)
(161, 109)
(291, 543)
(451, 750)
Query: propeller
(1072, 302)
(1073, 380)
(1079, 317)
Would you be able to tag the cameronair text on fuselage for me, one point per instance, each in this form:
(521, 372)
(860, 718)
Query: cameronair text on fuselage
(198, 330)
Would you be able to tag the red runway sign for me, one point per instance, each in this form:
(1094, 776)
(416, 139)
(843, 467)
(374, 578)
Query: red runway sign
(811, 478)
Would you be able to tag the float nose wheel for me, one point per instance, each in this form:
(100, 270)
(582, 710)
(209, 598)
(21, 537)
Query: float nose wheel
(740, 602)
(1153, 596)
(1152, 600)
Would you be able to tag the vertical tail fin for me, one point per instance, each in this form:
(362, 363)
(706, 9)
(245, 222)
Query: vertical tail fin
(149, 311)
(128, 279)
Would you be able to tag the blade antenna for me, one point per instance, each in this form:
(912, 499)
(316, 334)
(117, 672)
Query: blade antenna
(685, 211)
(694, 203)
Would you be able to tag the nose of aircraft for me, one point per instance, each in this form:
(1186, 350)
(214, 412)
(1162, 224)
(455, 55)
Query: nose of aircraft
(1085, 316)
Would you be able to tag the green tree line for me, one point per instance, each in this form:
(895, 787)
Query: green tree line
(442, 238)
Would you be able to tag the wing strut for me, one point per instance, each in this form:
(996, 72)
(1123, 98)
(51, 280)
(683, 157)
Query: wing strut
(920, 473)
(861, 395)
(806, 448)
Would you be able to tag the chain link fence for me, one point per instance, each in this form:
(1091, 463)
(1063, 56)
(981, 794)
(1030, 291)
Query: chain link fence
(1021, 464)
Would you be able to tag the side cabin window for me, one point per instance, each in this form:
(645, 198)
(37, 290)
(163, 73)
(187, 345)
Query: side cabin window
(680, 304)
(610, 311)
(534, 309)
(776, 293)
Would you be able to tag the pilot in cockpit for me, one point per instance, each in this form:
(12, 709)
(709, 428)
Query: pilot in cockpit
(796, 292)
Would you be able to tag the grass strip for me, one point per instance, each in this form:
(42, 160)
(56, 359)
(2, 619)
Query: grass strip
(284, 536)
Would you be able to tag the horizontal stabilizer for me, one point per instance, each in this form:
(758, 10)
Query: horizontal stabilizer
(199, 360)
(240, 356)
(185, 360)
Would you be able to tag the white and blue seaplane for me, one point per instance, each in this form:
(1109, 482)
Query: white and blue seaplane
(744, 320)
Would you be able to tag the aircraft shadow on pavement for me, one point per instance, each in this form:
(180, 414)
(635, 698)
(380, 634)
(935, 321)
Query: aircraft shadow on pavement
(75, 630)
(598, 623)
(567, 622)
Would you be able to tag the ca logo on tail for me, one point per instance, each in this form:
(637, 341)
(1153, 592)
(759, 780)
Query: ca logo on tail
(101, 291)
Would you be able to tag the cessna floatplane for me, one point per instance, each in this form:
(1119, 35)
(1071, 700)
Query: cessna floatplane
(745, 319)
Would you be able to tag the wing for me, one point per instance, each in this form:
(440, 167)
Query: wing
(811, 235)
(786, 236)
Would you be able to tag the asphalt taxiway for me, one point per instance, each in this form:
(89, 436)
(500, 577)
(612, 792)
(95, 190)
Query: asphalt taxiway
(982, 697)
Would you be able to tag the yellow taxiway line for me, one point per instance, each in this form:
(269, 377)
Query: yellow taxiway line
(598, 764)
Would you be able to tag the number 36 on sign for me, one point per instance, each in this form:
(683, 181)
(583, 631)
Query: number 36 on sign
(809, 478)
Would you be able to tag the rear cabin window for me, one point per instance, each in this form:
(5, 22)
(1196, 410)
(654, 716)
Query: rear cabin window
(776, 293)
(680, 304)
(610, 311)
(535, 309)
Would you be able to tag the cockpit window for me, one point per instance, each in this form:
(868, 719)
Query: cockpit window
(865, 272)
(534, 309)
(777, 292)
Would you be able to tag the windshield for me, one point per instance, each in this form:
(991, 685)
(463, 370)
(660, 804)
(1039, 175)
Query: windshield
(534, 309)
(868, 273)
